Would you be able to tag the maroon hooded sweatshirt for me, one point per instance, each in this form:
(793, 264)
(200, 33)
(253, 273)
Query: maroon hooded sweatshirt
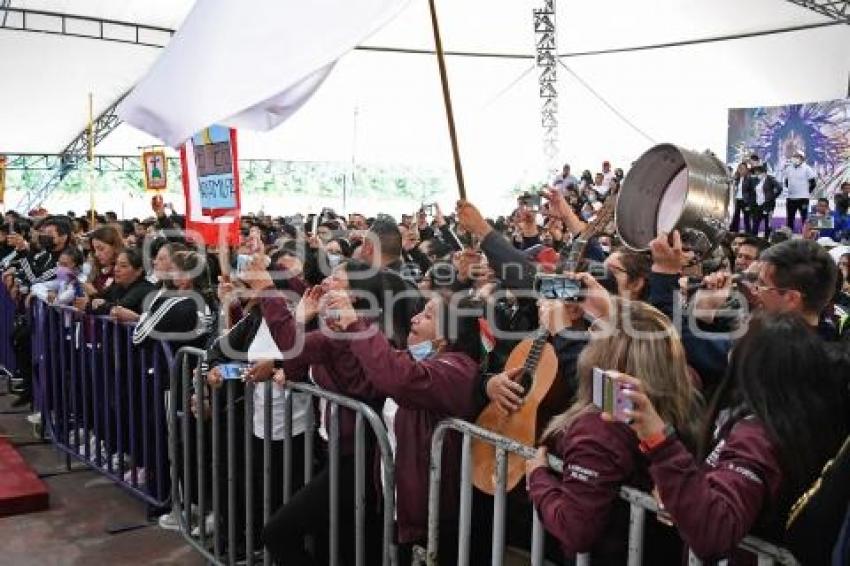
(333, 366)
(582, 509)
(717, 503)
(426, 392)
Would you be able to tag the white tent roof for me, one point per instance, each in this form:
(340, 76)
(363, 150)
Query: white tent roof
(387, 107)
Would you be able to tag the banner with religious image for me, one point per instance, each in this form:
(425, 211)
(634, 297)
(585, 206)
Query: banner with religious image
(155, 167)
(211, 184)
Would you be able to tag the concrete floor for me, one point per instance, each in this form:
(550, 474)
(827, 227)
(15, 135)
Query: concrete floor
(83, 505)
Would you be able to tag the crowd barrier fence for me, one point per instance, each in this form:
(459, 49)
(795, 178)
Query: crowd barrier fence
(87, 372)
(8, 309)
(189, 483)
(102, 398)
(640, 503)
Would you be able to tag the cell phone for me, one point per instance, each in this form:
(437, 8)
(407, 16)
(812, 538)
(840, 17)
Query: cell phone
(429, 209)
(558, 287)
(609, 396)
(821, 222)
(232, 370)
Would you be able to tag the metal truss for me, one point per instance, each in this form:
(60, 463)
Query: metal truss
(838, 10)
(73, 155)
(547, 63)
(101, 163)
(55, 23)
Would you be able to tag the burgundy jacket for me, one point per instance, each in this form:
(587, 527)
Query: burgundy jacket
(582, 509)
(333, 366)
(426, 392)
(717, 503)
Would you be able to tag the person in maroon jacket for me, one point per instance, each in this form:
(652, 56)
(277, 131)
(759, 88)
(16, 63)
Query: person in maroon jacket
(316, 356)
(436, 377)
(776, 419)
(581, 507)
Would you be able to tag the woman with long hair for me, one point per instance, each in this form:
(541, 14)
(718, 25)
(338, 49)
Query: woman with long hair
(777, 417)
(106, 243)
(581, 507)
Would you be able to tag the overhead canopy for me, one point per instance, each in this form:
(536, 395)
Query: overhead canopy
(385, 107)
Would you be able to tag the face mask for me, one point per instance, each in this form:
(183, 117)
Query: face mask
(797, 161)
(421, 351)
(334, 260)
(591, 198)
(45, 242)
(64, 273)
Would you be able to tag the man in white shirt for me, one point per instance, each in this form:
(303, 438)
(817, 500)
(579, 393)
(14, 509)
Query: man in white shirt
(565, 180)
(601, 185)
(800, 180)
(607, 173)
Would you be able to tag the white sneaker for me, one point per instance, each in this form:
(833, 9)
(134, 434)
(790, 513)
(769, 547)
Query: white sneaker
(169, 522)
(209, 525)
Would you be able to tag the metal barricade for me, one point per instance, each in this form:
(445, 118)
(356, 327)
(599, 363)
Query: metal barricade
(638, 501)
(102, 398)
(192, 458)
(8, 309)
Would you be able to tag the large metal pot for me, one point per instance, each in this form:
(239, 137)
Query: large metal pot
(671, 188)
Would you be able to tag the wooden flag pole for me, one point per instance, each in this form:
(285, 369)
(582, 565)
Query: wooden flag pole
(447, 99)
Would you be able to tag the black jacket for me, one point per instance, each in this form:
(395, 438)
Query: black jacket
(132, 297)
(772, 190)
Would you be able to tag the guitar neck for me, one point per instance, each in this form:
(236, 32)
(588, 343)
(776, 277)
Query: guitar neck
(534, 353)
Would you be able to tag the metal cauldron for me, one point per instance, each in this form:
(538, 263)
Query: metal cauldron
(669, 188)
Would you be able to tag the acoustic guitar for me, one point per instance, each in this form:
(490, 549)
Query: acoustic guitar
(539, 366)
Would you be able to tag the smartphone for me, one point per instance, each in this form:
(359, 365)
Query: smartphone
(609, 396)
(232, 370)
(429, 209)
(558, 287)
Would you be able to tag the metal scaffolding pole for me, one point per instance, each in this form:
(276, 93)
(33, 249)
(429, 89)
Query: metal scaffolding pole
(547, 63)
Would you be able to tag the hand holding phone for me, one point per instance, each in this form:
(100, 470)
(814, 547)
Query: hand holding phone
(609, 395)
(232, 370)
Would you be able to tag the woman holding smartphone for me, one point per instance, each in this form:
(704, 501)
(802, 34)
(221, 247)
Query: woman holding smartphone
(581, 507)
(777, 417)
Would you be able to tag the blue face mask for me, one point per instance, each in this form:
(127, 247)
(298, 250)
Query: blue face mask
(421, 351)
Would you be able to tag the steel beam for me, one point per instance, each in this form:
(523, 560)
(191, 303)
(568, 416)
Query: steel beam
(56, 23)
(838, 10)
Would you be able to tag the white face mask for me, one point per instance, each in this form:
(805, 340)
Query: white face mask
(334, 260)
(421, 351)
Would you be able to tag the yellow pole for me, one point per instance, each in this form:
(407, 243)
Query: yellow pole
(91, 160)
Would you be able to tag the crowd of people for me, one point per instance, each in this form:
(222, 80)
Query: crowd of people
(757, 189)
(734, 365)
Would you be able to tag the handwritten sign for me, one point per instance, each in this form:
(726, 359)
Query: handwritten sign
(216, 172)
(209, 162)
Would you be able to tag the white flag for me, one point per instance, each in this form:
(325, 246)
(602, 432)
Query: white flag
(248, 64)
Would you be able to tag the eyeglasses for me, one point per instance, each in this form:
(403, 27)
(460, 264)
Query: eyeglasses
(760, 288)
